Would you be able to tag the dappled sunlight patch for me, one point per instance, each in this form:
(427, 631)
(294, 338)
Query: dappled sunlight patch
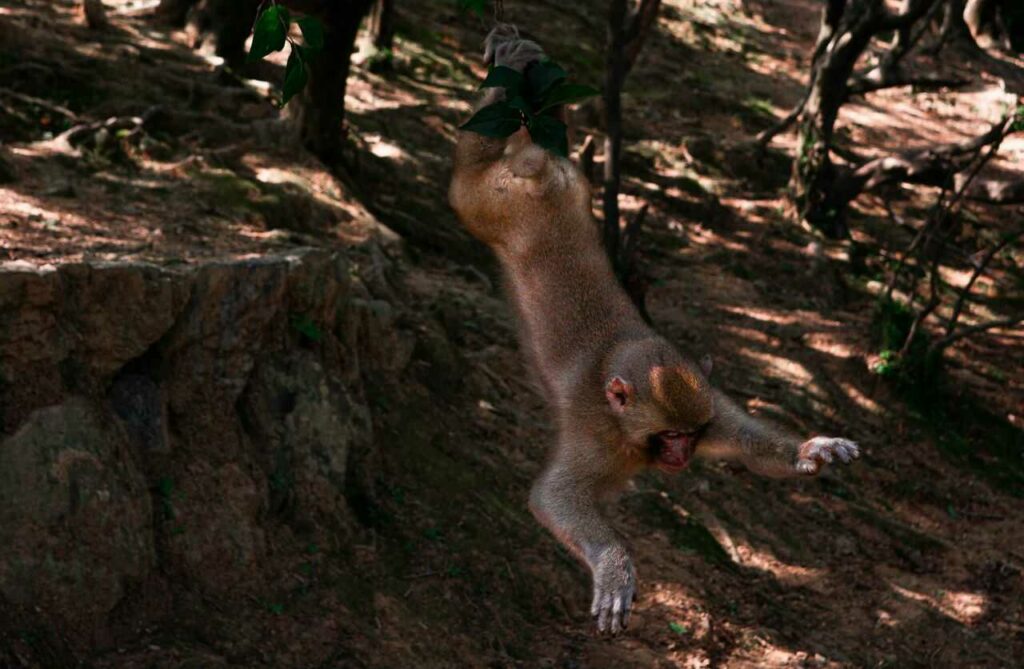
(704, 236)
(805, 319)
(749, 333)
(780, 367)
(830, 344)
(668, 593)
(854, 394)
(963, 607)
(786, 573)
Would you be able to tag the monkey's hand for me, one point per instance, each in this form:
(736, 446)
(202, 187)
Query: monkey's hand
(504, 46)
(819, 451)
(614, 589)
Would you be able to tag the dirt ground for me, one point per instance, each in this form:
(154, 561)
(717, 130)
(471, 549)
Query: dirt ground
(912, 557)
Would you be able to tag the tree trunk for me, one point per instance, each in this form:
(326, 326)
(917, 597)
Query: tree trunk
(1012, 13)
(814, 174)
(221, 27)
(382, 30)
(95, 14)
(953, 28)
(319, 111)
(174, 12)
(615, 76)
(980, 17)
(627, 32)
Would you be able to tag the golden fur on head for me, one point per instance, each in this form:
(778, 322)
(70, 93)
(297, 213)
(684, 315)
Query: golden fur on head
(684, 396)
(667, 391)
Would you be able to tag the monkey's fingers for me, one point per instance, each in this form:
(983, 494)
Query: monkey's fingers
(604, 610)
(824, 450)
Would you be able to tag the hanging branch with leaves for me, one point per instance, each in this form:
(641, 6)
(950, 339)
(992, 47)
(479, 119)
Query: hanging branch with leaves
(270, 33)
(532, 100)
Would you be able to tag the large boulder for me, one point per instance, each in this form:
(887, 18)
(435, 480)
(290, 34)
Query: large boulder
(75, 515)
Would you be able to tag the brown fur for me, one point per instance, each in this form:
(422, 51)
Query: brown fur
(580, 330)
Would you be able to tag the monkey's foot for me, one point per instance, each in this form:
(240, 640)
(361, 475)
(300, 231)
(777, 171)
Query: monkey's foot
(614, 590)
(504, 46)
(819, 451)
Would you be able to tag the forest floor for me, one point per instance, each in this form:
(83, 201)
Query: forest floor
(914, 556)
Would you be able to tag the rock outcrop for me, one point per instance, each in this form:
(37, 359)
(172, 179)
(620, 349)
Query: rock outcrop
(153, 418)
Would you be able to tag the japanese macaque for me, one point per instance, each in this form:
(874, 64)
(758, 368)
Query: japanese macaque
(623, 398)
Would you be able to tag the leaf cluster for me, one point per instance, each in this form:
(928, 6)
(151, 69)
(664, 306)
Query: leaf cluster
(475, 6)
(270, 34)
(531, 99)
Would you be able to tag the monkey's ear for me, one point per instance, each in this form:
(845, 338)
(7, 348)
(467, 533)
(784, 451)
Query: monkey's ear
(706, 365)
(619, 393)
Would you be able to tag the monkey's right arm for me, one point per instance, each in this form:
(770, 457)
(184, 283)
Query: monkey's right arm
(565, 499)
(765, 449)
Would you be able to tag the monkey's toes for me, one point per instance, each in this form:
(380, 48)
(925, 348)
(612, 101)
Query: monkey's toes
(518, 54)
(500, 34)
(612, 609)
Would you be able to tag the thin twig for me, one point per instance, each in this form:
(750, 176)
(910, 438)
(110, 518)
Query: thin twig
(975, 329)
(941, 217)
(978, 271)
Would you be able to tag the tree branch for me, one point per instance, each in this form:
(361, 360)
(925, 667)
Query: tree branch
(978, 271)
(637, 29)
(906, 18)
(863, 86)
(946, 341)
(830, 19)
(996, 191)
(934, 166)
(765, 137)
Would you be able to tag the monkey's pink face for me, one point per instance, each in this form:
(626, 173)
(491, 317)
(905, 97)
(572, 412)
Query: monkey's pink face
(673, 450)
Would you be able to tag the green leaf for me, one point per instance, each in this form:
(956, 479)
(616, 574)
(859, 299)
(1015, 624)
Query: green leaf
(550, 133)
(312, 32)
(498, 120)
(475, 6)
(542, 77)
(307, 328)
(567, 94)
(504, 77)
(677, 628)
(520, 103)
(295, 75)
(269, 32)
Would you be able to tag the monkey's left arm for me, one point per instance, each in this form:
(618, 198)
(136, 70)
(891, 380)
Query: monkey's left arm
(765, 449)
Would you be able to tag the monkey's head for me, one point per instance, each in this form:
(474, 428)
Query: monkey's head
(662, 409)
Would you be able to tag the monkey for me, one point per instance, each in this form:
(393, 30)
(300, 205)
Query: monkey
(622, 397)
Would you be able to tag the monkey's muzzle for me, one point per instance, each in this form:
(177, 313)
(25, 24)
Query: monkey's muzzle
(673, 450)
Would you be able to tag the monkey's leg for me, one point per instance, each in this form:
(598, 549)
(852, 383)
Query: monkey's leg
(566, 500)
(765, 449)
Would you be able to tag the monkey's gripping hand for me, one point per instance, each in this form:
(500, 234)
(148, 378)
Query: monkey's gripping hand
(504, 46)
(614, 589)
(819, 451)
